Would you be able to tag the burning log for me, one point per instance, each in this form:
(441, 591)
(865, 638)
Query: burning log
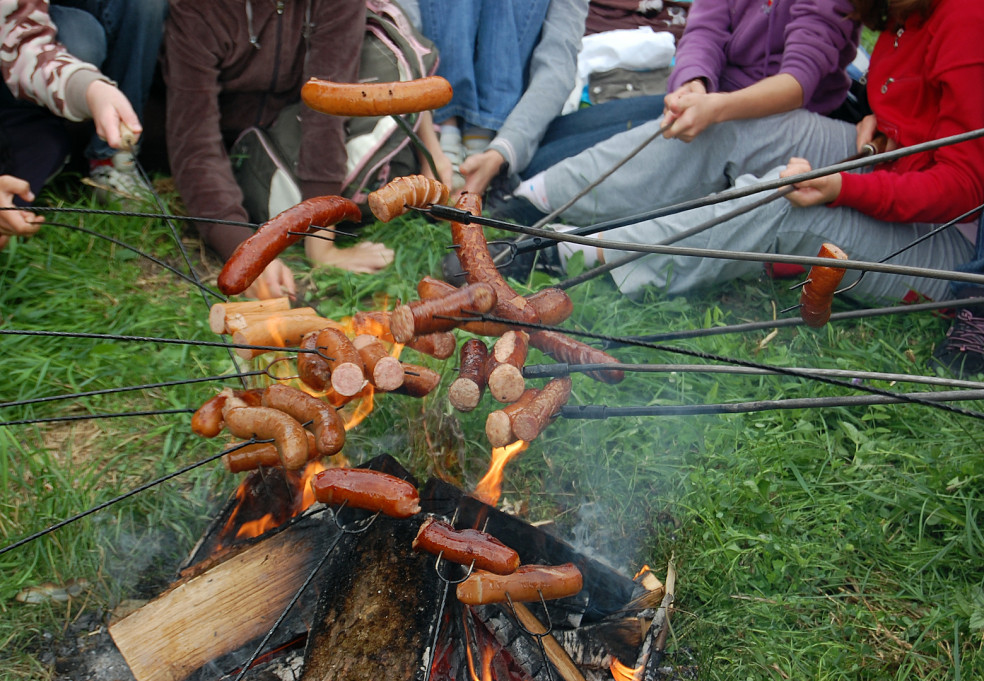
(376, 621)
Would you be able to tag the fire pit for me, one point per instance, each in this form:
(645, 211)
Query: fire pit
(369, 606)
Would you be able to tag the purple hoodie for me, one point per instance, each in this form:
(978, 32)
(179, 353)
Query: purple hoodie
(736, 43)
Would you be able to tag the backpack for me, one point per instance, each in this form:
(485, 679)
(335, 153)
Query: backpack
(378, 150)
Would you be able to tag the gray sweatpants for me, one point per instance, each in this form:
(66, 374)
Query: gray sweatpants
(739, 153)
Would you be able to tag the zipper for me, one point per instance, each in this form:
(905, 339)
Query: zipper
(280, 8)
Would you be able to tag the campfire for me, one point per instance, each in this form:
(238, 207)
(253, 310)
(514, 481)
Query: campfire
(374, 575)
(375, 607)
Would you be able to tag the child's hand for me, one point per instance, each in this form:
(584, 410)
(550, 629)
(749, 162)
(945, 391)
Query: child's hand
(110, 108)
(17, 222)
(811, 192)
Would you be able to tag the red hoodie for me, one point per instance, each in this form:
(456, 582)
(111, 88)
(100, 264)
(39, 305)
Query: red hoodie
(926, 82)
(230, 64)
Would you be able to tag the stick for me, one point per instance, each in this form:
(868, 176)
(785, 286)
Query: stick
(600, 411)
(560, 369)
(557, 655)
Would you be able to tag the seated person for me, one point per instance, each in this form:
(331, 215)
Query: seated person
(868, 213)
(512, 66)
(737, 59)
(229, 66)
(51, 85)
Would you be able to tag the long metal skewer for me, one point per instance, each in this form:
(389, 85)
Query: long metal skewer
(601, 411)
(125, 495)
(729, 360)
(797, 321)
(561, 369)
(87, 417)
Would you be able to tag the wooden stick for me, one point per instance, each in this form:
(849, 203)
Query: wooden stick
(217, 313)
(557, 655)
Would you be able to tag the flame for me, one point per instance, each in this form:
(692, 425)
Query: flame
(643, 570)
(489, 488)
(621, 672)
(362, 409)
(488, 653)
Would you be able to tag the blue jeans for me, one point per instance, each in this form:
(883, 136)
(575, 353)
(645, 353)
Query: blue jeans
(573, 133)
(122, 38)
(485, 48)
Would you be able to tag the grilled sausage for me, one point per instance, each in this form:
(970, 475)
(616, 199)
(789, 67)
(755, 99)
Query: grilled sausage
(428, 316)
(465, 546)
(563, 348)
(326, 424)
(397, 197)
(253, 255)
(465, 392)
(367, 489)
(817, 295)
(265, 423)
(376, 99)
(504, 369)
(524, 585)
(535, 416)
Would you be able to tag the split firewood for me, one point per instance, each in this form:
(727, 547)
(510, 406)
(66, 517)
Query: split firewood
(504, 367)
(654, 644)
(562, 662)
(232, 603)
(498, 424)
(218, 313)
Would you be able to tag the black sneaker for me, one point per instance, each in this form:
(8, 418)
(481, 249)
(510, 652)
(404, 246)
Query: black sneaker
(518, 267)
(962, 351)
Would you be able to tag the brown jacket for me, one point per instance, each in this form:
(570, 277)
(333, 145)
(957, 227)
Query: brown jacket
(230, 64)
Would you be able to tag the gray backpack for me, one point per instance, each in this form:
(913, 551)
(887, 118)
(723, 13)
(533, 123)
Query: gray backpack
(263, 161)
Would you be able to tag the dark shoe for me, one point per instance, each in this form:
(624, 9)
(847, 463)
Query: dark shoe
(962, 351)
(517, 267)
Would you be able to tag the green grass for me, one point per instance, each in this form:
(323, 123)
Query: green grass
(810, 544)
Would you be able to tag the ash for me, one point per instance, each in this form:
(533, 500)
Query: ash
(85, 652)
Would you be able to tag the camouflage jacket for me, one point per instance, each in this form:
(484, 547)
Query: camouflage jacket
(35, 66)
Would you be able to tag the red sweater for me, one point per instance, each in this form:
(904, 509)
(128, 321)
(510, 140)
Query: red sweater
(926, 82)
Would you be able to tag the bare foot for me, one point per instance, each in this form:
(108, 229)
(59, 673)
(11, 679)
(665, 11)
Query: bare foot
(365, 257)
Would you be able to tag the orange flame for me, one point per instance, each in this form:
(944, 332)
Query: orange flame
(489, 488)
(362, 409)
(621, 672)
(643, 570)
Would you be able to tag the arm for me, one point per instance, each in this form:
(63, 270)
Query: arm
(553, 68)
(39, 68)
(690, 112)
(16, 223)
(701, 52)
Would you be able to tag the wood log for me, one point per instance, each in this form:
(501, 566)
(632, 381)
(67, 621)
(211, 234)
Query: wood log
(231, 605)
(378, 619)
(217, 313)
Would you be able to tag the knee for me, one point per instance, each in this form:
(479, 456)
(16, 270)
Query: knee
(80, 33)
